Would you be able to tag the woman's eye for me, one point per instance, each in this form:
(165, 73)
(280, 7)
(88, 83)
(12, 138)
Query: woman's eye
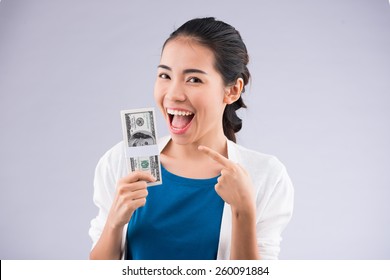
(163, 76)
(194, 80)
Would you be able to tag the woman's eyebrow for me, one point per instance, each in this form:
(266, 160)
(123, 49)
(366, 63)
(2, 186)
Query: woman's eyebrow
(186, 71)
(164, 67)
(192, 70)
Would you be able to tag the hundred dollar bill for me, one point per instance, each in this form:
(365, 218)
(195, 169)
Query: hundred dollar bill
(140, 138)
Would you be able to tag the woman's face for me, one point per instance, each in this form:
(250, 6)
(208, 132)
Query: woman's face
(190, 92)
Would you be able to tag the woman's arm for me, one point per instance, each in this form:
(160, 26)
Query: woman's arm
(244, 241)
(130, 194)
(109, 245)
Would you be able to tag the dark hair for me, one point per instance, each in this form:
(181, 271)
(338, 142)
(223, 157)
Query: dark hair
(231, 59)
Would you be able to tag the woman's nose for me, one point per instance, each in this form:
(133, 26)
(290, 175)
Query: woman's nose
(175, 92)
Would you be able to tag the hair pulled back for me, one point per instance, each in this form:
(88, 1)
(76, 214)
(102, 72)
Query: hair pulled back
(231, 59)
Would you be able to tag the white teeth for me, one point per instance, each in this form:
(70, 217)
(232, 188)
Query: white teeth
(180, 113)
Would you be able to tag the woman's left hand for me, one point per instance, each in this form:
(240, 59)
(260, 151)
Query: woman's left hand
(234, 185)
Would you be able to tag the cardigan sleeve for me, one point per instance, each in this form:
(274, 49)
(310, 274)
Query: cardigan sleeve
(275, 216)
(103, 194)
(110, 168)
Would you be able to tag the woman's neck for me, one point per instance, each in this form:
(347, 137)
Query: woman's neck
(190, 151)
(187, 161)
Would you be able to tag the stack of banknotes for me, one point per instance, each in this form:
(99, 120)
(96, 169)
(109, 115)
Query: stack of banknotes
(140, 138)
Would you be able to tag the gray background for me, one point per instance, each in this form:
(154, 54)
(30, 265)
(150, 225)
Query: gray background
(319, 100)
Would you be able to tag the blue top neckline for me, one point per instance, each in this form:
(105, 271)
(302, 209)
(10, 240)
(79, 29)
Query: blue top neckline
(188, 181)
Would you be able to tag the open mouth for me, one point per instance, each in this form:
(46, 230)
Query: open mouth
(180, 119)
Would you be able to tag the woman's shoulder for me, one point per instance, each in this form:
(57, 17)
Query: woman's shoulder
(255, 161)
(114, 152)
(245, 154)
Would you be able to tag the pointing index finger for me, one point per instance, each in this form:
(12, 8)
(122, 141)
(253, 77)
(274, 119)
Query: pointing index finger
(215, 155)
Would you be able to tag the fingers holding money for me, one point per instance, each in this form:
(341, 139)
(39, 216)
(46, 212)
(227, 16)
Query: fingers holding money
(137, 176)
(130, 194)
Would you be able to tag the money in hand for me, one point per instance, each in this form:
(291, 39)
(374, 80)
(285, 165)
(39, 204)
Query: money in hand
(140, 138)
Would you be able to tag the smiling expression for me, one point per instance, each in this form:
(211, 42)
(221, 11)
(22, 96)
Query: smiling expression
(190, 92)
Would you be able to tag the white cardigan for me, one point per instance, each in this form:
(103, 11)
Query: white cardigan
(273, 190)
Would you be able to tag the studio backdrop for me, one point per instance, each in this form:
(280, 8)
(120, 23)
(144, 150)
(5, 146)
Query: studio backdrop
(318, 100)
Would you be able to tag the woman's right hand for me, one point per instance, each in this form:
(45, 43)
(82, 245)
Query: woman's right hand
(131, 194)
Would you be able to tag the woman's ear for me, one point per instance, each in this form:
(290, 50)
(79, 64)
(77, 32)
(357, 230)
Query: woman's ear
(233, 93)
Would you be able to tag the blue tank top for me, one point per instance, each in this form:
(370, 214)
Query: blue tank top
(181, 220)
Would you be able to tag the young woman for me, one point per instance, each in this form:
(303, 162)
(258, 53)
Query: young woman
(218, 200)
